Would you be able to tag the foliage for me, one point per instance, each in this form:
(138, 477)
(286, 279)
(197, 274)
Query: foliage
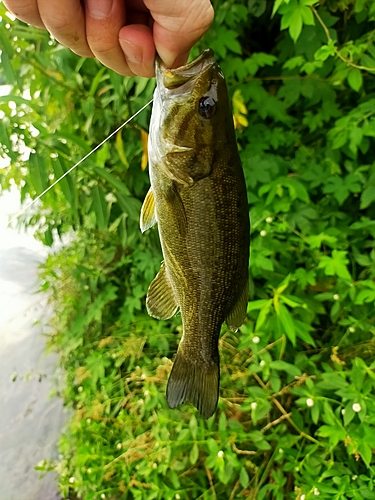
(296, 413)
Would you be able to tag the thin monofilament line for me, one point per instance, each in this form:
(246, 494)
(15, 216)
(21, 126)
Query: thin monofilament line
(78, 163)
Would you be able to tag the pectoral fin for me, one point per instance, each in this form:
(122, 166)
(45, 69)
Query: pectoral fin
(160, 301)
(237, 315)
(148, 217)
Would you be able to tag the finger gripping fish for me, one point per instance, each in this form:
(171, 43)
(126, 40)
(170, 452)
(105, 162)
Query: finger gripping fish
(198, 198)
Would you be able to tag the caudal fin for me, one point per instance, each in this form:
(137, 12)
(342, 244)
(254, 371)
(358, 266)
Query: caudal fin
(194, 383)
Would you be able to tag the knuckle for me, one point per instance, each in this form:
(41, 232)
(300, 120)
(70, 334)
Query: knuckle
(101, 50)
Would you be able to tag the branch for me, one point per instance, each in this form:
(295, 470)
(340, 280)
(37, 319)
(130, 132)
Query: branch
(211, 483)
(243, 452)
(285, 413)
(337, 52)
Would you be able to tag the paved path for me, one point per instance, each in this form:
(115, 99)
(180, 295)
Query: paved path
(30, 422)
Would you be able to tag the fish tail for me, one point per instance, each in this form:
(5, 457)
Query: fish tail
(194, 382)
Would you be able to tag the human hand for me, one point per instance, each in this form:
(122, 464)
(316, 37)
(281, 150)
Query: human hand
(122, 34)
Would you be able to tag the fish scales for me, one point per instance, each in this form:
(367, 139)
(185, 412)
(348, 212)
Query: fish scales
(198, 198)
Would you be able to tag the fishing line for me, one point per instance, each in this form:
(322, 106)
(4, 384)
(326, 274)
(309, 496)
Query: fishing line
(78, 163)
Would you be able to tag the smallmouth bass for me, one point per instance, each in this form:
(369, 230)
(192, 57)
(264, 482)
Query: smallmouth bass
(198, 199)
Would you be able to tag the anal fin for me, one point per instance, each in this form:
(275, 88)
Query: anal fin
(160, 301)
(237, 315)
(148, 217)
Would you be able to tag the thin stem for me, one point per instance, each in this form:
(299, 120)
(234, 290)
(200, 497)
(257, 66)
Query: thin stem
(284, 412)
(337, 52)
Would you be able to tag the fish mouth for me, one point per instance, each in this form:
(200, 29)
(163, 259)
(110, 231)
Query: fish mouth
(174, 78)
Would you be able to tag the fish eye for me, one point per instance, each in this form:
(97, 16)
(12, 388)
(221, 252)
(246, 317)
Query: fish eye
(206, 106)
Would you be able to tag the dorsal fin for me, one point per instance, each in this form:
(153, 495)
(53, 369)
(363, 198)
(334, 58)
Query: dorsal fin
(237, 315)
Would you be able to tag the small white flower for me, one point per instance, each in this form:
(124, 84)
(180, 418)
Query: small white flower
(310, 402)
(110, 198)
(80, 388)
(356, 407)
(343, 411)
(354, 477)
(154, 465)
(351, 329)
(296, 469)
(254, 405)
(88, 420)
(335, 297)
(281, 451)
(102, 495)
(89, 471)
(71, 480)
(177, 496)
(146, 392)
(220, 454)
(263, 232)
(303, 497)
(262, 363)
(269, 220)
(119, 446)
(143, 375)
(256, 339)
(316, 491)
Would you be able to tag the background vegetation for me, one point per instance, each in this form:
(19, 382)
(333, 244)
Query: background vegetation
(296, 417)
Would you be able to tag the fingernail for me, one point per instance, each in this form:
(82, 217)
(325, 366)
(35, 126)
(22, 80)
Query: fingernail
(99, 9)
(132, 52)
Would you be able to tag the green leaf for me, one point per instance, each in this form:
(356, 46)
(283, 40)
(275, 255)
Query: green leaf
(193, 424)
(335, 265)
(262, 409)
(38, 173)
(286, 367)
(66, 183)
(194, 454)
(263, 315)
(7, 57)
(367, 197)
(222, 422)
(244, 477)
(4, 137)
(355, 79)
(307, 15)
(131, 206)
(295, 27)
(100, 207)
(112, 180)
(257, 304)
(276, 6)
(325, 51)
(287, 323)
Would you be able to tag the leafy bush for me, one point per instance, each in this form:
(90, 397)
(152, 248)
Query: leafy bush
(296, 413)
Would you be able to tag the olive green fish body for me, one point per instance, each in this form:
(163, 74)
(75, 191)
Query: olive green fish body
(198, 198)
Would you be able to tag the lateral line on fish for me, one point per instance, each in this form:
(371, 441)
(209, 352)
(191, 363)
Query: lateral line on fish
(78, 163)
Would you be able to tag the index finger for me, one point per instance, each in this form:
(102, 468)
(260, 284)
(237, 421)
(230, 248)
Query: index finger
(25, 10)
(66, 22)
(178, 26)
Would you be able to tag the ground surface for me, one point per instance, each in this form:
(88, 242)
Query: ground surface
(30, 421)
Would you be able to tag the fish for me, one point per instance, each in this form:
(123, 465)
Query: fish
(198, 200)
